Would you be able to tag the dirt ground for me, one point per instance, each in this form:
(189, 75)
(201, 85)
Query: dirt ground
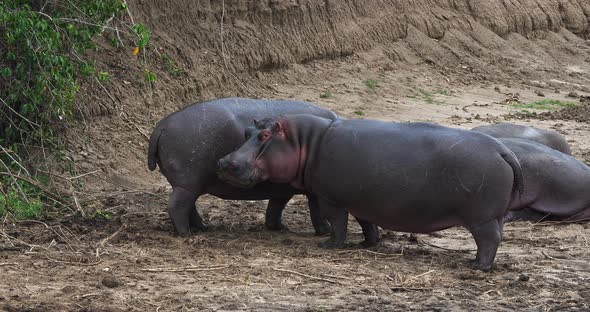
(133, 261)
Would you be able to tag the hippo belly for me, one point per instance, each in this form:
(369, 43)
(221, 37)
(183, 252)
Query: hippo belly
(261, 191)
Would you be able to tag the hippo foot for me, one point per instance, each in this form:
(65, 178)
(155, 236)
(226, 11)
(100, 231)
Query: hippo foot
(183, 233)
(369, 243)
(322, 230)
(477, 265)
(200, 228)
(278, 227)
(331, 244)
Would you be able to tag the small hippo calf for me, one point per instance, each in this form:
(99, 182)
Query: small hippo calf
(549, 138)
(187, 144)
(556, 185)
(411, 177)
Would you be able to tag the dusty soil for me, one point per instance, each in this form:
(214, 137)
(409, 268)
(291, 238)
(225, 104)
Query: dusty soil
(461, 69)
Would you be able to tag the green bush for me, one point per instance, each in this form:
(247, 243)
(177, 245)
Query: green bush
(21, 209)
(42, 59)
(20, 199)
(39, 63)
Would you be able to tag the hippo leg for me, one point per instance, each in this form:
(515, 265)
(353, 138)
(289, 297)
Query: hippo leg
(180, 208)
(487, 237)
(338, 219)
(274, 212)
(320, 224)
(370, 232)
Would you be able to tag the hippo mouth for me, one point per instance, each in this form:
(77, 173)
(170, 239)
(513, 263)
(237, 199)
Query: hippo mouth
(235, 181)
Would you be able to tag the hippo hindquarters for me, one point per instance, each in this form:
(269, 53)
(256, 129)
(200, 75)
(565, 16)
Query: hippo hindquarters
(153, 148)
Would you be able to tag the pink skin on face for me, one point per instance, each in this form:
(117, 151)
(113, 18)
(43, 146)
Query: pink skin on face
(284, 164)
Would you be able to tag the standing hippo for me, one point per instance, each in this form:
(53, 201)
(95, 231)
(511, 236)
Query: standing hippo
(187, 144)
(556, 185)
(412, 177)
(549, 138)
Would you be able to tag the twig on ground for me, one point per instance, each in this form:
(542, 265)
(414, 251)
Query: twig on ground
(50, 228)
(561, 222)
(419, 275)
(445, 248)
(74, 263)
(410, 288)
(381, 253)
(11, 238)
(77, 203)
(83, 174)
(119, 37)
(119, 193)
(185, 269)
(405, 287)
(548, 256)
(337, 276)
(117, 232)
(105, 90)
(128, 11)
(8, 263)
(308, 276)
(141, 132)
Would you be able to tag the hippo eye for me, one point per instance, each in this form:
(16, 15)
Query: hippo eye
(263, 136)
(248, 133)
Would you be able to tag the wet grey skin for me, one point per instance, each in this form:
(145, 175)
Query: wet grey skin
(546, 137)
(556, 185)
(187, 145)
(410, 177)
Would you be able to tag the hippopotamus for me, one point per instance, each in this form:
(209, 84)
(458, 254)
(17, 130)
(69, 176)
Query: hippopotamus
(411, 177)
(556, 185)
(187, 144)
(549, 138)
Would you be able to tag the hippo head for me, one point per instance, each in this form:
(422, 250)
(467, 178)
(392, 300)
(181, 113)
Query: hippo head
(269, 154)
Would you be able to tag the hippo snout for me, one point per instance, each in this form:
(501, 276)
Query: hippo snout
(227, 165)
(230, 171)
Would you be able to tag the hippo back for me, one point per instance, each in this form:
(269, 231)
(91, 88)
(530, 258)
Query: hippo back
(548, 138)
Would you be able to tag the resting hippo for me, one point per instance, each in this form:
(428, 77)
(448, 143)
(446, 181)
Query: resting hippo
(412, 177)
(556, 185)
(187, 144)
(549, 138)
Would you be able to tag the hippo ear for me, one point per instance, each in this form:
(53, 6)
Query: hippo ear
(277, 127)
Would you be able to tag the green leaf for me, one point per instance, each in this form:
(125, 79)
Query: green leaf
(5, 72)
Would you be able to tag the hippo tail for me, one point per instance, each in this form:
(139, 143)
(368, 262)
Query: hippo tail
(153, 148)
(512, 160)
